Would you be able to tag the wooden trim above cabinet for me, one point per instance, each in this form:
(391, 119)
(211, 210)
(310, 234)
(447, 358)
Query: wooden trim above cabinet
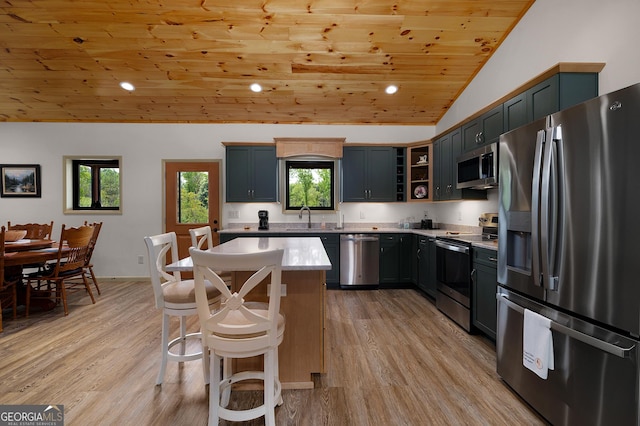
(325, 147)
(247, 143)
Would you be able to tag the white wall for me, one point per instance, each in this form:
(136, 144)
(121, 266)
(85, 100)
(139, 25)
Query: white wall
(143, 147)
(552, 31)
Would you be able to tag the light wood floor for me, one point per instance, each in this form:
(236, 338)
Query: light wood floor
(393, 360)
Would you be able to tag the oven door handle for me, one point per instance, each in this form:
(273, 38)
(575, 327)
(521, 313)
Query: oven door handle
(452, 247)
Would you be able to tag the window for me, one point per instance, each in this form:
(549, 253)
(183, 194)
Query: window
(92, 184)
(311, 184)
(193, 197)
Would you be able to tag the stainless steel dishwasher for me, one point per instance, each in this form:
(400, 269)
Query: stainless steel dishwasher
(359, 254)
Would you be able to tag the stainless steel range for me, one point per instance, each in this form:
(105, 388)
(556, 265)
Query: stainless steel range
(453, 272)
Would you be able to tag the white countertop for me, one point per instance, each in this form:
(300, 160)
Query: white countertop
(300, 253)
(491, 245)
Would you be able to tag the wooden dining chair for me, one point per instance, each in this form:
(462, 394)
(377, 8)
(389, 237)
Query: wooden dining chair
(35, 231)
(88, 267)
(73, 247)
(8, 295)
(240, 329)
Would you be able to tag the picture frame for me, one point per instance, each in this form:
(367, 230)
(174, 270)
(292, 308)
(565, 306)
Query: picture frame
(20, 180)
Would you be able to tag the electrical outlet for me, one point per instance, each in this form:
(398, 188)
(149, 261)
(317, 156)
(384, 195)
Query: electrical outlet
(233, 214)
(459, 216)
(361, 215)
(140, 260)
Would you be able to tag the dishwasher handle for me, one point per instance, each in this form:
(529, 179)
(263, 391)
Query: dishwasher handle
(358, 238)
(452, 247)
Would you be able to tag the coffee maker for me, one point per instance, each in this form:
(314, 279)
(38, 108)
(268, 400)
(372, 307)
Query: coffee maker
(263, 219)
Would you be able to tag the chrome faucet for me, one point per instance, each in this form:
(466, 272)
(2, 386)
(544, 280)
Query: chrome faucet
(300, 215)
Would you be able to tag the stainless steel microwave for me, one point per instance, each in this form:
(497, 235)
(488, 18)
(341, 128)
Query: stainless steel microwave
(478, 169)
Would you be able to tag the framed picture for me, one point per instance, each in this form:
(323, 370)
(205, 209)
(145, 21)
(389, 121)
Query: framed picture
(20, 180)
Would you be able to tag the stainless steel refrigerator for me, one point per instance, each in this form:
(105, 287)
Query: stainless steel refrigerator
(569, 250)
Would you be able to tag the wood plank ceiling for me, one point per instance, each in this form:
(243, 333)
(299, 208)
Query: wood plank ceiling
(318, 61)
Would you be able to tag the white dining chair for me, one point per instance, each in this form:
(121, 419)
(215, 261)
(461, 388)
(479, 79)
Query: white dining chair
(176, 297)
(201, 238)
(240, 329)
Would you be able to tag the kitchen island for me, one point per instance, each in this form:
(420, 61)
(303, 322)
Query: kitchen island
(304, 265)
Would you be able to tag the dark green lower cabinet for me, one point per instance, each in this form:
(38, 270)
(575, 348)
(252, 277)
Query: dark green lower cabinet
(396, 260)
(427, 265)
(331, 243)
(484, 288)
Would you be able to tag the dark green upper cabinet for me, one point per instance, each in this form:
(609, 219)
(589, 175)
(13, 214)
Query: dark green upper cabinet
(483, 130)
(515, 112)
(251, 174)
(554, 94)
(368, 174)
(446, 150)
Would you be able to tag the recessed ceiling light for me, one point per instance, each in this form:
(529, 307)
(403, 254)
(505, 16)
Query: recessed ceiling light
(255, 87)
(127, 86)
(391, 89)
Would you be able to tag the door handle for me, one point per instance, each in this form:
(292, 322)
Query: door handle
(574, 334)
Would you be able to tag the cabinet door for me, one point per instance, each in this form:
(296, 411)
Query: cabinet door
(251, 174)
(381, 176)
(437, 169)
(238, 175)
(389, 254)
(455, 149)
(484, 299)
(515, 112)
(354, 172)
(542, 99)
(405, 258)
(369, 174)
(432, 277)
(492, 126)
(423, 263)
(332, 247)
(450, 149)
(471, 134)
(264, 174)
(483, 130)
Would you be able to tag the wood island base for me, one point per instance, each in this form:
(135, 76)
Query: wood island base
(301, 352)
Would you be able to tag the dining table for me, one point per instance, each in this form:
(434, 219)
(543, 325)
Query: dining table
(20, 253)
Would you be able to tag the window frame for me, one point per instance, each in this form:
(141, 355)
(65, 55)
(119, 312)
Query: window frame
(310, 163)
(71, 166)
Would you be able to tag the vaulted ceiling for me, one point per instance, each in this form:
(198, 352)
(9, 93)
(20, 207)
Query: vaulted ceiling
(318, 61)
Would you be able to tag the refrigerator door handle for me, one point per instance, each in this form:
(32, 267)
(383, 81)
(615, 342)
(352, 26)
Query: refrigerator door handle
(549, 211)
(574, 334)
(535, 207)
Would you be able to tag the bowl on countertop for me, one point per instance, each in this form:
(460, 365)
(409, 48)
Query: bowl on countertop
(14, 235)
